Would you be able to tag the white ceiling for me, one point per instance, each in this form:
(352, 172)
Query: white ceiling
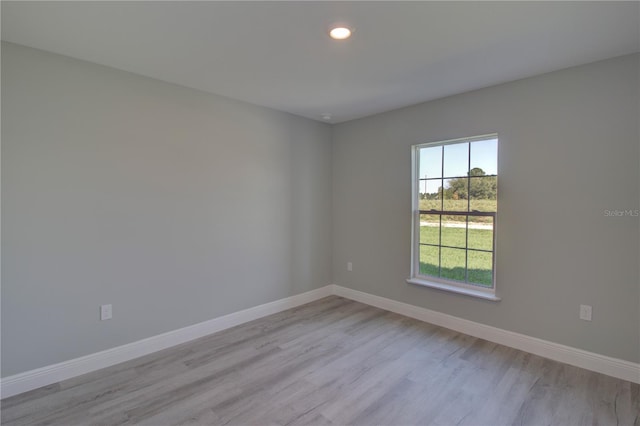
(278, 54)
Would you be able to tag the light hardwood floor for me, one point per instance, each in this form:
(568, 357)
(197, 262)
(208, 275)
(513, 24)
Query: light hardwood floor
(333, 361)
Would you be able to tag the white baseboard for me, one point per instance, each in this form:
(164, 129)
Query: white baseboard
(614, 367)
(44, 376)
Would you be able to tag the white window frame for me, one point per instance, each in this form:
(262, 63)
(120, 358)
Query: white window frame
(431, 281)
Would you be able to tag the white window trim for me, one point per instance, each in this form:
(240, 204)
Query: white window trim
(435, 282)
(455, 288)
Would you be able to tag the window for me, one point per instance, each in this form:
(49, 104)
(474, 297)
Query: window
(455, 203)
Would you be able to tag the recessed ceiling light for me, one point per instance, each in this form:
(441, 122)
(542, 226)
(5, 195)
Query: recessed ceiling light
(326, 116)
(340, 33)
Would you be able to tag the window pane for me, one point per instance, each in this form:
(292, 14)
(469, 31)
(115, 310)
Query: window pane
(429, 194)
(429, 260)
(454, 231)
(484, 155)
(430, 162)
(483, 194)
(456, 160)
(453, 264)
(480, 268)
(455, 194)
(429, 229)
(480, 234)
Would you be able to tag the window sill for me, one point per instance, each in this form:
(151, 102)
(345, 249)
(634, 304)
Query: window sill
(454, 289)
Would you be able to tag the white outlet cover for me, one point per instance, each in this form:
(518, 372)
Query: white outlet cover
(585, 312)
(106, 312)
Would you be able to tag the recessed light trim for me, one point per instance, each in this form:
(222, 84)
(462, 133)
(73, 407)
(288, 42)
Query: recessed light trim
(340, 33)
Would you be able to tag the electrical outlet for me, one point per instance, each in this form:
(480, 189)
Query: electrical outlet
(585, 312)
(106, 312)
(349, 266)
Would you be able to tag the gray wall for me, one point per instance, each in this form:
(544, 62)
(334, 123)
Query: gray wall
(178, 206)
(568, 150)
(173, 205)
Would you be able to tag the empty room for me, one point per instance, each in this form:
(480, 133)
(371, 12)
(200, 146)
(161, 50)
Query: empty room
(320, 213)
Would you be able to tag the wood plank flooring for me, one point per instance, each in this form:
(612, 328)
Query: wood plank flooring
(333, 362)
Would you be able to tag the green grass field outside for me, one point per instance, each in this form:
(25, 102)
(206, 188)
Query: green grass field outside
(479, 263)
